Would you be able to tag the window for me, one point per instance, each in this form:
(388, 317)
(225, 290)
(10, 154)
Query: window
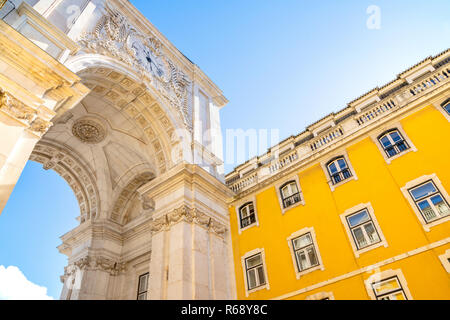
(305, 253)
(290, 194)
(255, 271)
(393, 143)
(142, 287)
(445, 260)
(388, 285)
(247, 215)
(428, 199)
(338, 170)
(363, 230)
(389, 289)
(430, 202)
(321, 296)
(446, 106)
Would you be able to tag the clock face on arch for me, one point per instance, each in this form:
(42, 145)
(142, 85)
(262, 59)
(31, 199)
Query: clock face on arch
(149, 60)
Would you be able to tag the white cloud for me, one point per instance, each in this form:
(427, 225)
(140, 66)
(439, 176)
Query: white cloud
(15, 286)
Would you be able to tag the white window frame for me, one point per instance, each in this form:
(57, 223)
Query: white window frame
(370, 211)
(300, 233)
(323, 164)
(280, 196)
(440, 107)
(385, 275)
(321, 296)
(238, 214)
(147, 274)
(417, 182)
(247, 255)
(392, 127)
(445, 260)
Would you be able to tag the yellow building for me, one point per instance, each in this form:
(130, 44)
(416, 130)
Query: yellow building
(357, 205)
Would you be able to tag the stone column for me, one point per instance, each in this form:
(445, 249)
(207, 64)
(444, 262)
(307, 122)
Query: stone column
(91, 278)
(189, 257)
(20, 128)
(158, 261)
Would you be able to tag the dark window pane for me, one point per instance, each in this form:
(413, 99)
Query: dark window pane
(391, 151)
(385, 141)
(358, 218)
(423, 191)
(261, 275)
(342, 164)
(447, 108)
(251, 279)
(359, 236)
(333, 168)
(402, 146)
(395, 136)
(312, 256)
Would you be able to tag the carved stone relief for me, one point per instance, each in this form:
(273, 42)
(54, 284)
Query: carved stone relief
(114, 36)
(18, 110)
(89, 131)
(190, 215)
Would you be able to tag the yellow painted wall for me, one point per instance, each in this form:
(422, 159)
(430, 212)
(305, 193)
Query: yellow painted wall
(378, 183)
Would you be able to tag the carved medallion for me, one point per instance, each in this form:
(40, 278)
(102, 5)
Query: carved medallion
(89, 131)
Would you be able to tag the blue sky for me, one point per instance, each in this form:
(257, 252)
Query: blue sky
(282, 64)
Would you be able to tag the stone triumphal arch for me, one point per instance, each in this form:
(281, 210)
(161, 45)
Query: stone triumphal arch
(92, 90)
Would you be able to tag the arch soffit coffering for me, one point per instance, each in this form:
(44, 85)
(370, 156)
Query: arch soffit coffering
(120, 87)
(71, 167)
(130, 183)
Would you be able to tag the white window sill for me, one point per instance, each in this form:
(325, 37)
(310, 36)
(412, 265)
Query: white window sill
(303, 273)
(263, 287)
(300, 203)
(398, 155)
(427, 227)
(334, 186)
(370, 248)
(256, 224)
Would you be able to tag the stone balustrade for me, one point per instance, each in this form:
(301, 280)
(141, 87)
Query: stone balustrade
(283, 162)
(376, 111)
(327, 137)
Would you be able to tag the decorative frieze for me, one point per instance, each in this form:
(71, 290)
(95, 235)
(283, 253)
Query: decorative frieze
(20, 111)
(189, 215)
(183, 213)
(100, 263)
(40, 126)
(112, 267)
(16, 108)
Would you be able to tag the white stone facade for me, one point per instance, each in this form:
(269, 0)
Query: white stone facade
(92, 90)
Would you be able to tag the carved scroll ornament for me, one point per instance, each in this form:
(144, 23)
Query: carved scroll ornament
(114, 36)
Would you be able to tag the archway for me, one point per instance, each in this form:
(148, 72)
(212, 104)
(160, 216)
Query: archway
(116, 118)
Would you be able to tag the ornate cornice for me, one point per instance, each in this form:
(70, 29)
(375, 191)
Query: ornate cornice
(94, 263)
(23, 113)
(189, 215)
(112, 267)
